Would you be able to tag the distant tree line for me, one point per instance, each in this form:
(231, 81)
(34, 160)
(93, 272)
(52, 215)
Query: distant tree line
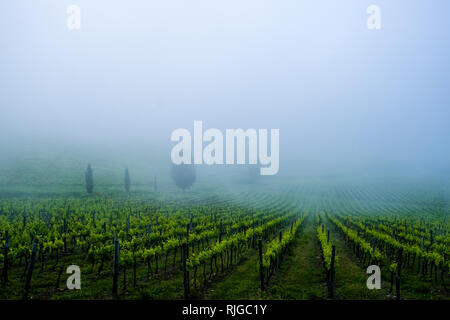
(183, 176)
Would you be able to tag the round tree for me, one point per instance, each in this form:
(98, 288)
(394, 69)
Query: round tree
(183, 175)
(89, 179)
(127, 180)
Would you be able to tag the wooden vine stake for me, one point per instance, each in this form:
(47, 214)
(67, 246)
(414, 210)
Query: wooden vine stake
(5, 258)
(61, 268)
(332, 271)
(30, 269)
(115, 267)
(184, 251)
(261, 267)
(397, 276)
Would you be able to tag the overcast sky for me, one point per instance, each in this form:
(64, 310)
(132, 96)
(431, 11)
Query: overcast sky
(342, 95)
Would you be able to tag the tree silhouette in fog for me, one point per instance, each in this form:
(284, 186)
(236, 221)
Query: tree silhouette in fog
(89, 179)
(183, 175)
(127, 181)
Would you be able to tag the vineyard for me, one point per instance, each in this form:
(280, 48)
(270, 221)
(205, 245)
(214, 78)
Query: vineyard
(297, 243)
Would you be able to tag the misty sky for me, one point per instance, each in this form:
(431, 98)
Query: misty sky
(341, 95)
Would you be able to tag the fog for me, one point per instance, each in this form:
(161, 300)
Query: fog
(349, 102)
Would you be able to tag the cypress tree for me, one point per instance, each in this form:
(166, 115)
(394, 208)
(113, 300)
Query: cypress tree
(127, 180)
(89, 179)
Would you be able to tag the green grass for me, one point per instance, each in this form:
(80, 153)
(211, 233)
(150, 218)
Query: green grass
(241, 283)
(351, 278)
(300, 275)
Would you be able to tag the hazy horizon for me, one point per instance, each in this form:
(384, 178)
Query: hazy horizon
(350, 103)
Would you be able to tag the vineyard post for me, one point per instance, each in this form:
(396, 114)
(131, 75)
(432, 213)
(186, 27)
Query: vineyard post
(231, 249)
(149, 231)
(185, 273)
(115, 267)
(5, 259)
(30, 269)
(65, 232)
(332, 271)
(187, 241)
(374, 243)
(278, 259)
(231, 255)
(61, 268)
(261, 271)
(328, 236)
(127, 229)
(397, 277)
(346, 235)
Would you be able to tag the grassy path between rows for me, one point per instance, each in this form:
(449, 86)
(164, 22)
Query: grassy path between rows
(351, 278)
(240, 284)
(413, 286)
(301, 274)
(299, 277)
